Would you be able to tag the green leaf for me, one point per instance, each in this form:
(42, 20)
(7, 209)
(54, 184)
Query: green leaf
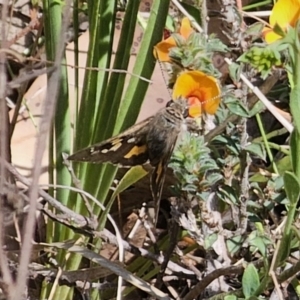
(193, 11)
(255, 29)
(257, 108)
(292, 187)
(278, 30)
(259, 243)
(295, 106)
(295, 150)
(209, 240)
(258, 178)
(170, 24)
(235, 71)
(250, 281)
(132, 176)
(230, 297)
(144, 66)
(236, 107)
(257, 149)
(229, 193)
(284, 164)
(234, 244)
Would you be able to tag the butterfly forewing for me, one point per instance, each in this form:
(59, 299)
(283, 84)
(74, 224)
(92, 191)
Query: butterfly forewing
(161, 150)
(126, 149)
(152, 140)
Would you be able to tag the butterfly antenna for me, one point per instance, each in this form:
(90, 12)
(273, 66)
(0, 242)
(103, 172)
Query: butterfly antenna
(164, 77)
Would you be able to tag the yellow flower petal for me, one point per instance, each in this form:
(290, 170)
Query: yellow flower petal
(270, 36)
(185, 28)
(284, 13)
(161, 50)
(196, 84)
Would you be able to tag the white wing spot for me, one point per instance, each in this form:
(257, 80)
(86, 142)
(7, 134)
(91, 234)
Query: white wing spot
(93, 151)
(132, 140)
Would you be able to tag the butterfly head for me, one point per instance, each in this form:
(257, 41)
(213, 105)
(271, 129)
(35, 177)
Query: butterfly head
(180, 107)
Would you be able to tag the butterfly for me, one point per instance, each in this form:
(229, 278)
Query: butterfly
(150, 141)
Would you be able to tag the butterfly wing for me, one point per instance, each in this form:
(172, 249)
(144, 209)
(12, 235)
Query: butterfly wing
(165, 134)
(126, 149)
(157, 179)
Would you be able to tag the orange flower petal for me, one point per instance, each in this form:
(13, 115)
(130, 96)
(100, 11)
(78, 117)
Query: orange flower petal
(185, 28)
(284, 13)
(161, 50)
(270, 36)
(195, 107)
(193, 85)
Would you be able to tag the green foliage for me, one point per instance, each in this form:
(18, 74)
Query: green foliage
(195, 12)
(231, 297)
(292, 187)
(250, 281)
(236, 107)
(234, 244)
(101, 111)
(295, 106)
(246, 180)
(196, 52)
(259, 240)
(257, 149)
(253, 31)
(262, 59)
(210, 240)
(193, 166)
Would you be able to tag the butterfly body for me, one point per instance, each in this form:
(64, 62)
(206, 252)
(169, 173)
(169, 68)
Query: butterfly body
(146, 142)
(150, 141)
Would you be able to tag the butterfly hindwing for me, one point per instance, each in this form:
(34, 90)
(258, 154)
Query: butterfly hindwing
(126, 149)
(152, 140)
(158, 175)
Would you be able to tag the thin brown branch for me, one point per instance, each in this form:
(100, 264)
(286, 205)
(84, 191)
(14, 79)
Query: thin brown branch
(49, 62)
(173, 236)
(245, 162)
(86, 226)
(232, 270)
(4, 144)
(45, 126)
(79, 220)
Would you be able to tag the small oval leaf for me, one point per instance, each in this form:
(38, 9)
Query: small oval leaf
(250, 281)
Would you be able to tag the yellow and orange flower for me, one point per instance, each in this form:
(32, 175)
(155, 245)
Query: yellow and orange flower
(201, 91)
(161, 50)
(285, 13)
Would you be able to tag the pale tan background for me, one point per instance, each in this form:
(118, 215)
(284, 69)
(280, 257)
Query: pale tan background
(24, 137)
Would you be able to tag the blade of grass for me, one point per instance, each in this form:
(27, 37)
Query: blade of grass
(137, 88)
(99, 55)
(144, 66)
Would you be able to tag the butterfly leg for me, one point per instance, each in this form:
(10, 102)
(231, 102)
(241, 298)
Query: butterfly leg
(157, 179)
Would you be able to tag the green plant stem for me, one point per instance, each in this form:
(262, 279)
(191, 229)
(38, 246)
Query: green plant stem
(263, 134)
(295, 110)
(287, 237)
(144, 66)
(60, 135)
(279, 148)
(271, 134)
(256, 5)
(262, 287)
